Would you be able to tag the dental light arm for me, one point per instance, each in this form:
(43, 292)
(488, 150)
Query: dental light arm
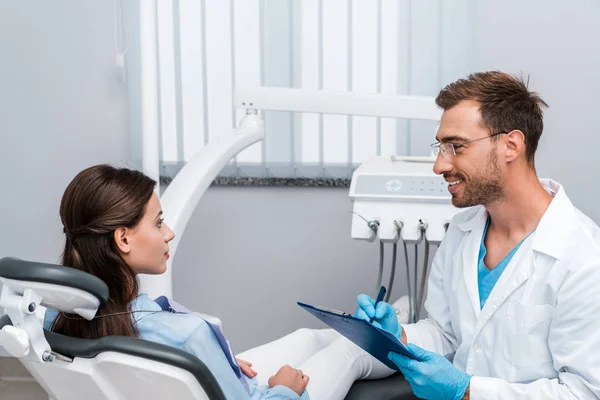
(187, 188)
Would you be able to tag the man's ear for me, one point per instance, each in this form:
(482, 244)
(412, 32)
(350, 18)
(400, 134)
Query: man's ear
(121, 240)
(515, 145)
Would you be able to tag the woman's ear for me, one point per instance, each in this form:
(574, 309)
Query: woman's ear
(121, 240)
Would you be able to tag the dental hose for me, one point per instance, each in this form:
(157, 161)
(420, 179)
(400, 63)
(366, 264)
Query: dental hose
(415, 283)
(380, 277)
(423, 278)
(392, 272)
(408, 281)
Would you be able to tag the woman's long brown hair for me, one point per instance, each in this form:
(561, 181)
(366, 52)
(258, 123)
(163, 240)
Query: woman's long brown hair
(99, 200)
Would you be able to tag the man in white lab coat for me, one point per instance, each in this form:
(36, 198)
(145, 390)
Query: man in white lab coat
(514, 290)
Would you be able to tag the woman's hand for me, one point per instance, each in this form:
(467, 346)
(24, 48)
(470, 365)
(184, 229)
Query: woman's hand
(246, 368)
(290, 377)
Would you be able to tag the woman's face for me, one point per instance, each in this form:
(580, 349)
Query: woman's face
(145, 247)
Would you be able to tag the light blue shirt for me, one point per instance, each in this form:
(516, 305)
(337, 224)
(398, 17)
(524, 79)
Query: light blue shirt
(487, 279)
(191, 333)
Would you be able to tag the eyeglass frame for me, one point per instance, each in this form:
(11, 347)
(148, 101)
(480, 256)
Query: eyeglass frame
(438, 147)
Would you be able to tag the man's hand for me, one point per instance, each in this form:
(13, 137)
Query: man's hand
(384, 316)
(290, 377)
(431, 376)
(246, 368)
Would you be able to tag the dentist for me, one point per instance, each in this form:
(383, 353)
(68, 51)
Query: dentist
(514, 291)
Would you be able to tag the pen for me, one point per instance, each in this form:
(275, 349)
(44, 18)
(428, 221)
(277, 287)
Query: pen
(379, 298)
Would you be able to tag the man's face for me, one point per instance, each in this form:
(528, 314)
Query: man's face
(474, 174)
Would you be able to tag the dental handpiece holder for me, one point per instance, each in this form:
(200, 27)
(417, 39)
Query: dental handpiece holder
(400, 200)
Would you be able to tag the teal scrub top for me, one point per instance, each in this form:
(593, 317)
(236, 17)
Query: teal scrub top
(487, 279)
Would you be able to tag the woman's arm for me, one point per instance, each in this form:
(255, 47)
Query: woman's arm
(203, 343)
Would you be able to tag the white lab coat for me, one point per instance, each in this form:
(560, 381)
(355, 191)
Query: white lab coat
(538, 334)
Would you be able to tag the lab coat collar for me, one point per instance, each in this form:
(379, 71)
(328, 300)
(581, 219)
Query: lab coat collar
(553, 229)
(557, 223)
(477, 221)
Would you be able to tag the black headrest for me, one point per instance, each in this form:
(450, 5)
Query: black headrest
(90, 348)
(31, 271)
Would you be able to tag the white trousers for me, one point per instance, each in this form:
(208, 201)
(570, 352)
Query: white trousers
(331, 361)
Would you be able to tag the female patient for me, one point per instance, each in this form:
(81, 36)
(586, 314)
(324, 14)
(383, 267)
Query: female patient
(114, 230)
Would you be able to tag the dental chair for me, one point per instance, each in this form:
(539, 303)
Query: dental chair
(109, 368)
(112, 367)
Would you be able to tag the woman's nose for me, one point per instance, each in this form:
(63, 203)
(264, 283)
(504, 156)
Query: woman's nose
(170, 234)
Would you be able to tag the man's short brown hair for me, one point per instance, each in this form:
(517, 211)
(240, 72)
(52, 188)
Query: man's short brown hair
(505, 102)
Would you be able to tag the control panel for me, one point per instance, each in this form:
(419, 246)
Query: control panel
(401, 185)
(393, 196)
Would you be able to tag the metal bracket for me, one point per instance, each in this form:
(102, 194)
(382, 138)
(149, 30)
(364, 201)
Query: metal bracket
(26, 338)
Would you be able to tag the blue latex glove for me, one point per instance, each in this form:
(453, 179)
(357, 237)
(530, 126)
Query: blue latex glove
(384, 316)
(431, 376)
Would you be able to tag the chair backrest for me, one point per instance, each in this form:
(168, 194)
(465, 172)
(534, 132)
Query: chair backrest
(111, 367)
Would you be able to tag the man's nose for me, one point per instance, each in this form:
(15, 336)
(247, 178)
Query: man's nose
(442, 164)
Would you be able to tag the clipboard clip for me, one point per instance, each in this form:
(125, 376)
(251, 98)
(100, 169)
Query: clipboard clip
(331, 310)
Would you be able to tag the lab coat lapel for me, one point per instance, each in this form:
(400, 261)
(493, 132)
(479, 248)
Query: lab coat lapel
(516, 273)
(549, 238)
(470, 255)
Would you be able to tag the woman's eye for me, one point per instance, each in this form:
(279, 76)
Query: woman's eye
(160, 222)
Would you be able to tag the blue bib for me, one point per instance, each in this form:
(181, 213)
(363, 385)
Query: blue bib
(172, 306)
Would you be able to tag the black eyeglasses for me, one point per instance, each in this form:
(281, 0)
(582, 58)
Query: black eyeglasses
(449, 149)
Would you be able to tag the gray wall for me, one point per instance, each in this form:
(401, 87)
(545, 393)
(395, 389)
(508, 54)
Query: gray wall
(250, 253)
(558, 44)
(62, 109)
